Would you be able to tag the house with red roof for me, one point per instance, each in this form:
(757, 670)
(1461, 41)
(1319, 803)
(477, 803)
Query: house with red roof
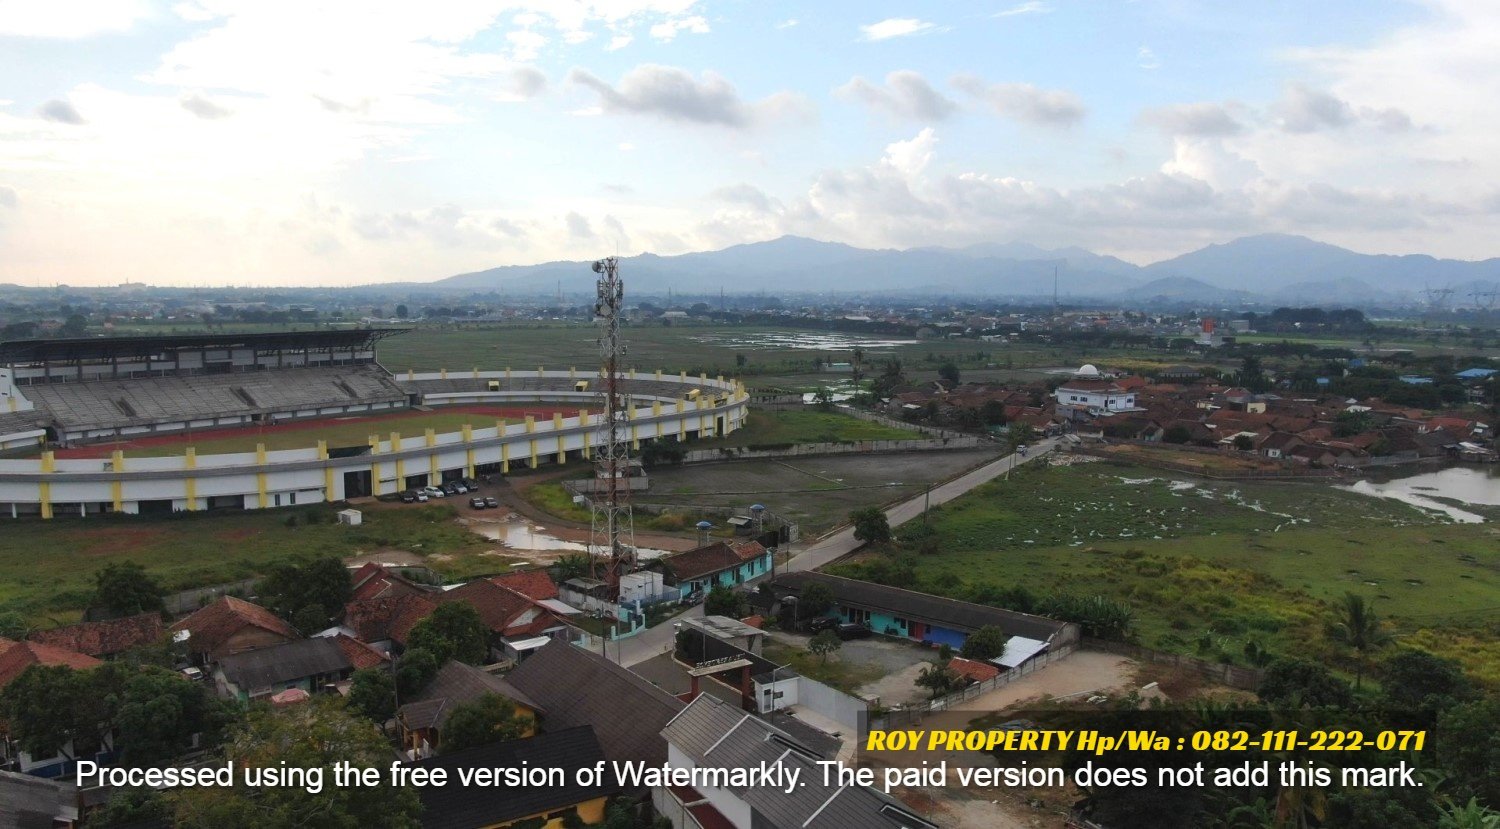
(105, 639)
(230, 626)
(972, 671)
(15, 658)
(374, 581)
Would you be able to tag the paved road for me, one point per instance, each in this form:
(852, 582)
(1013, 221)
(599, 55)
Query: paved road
(843, 542)
(658, 640)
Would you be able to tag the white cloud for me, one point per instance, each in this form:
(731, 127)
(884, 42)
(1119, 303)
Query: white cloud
(61, 112)
(1024, 102)
(526, 44)
(675, 95)
(1303, 109)
(1146, 58)
(667, 30)
(1200, 119)
(522, 83)
(619, 42)
(787, 24)
(906, 94)
(204, 107)
(8, 196)
(897, 27)
(70, 19)
(1032, 7)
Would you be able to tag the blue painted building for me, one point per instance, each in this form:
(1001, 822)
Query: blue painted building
(726, 563)
(921, 617)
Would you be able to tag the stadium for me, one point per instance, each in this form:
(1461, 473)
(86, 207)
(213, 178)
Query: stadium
(155, 425)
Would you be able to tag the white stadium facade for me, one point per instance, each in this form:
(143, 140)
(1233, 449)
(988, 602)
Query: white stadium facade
(56, 394)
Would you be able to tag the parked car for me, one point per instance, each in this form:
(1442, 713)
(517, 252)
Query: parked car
(821, 624)
(408, 496)
(470, 483)
(852, 631)
(449, 489)
(459, 485)
(433, 492)
(476, 503)
(491, 503)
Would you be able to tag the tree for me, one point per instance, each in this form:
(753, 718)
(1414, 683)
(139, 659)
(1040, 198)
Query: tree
(985, 644)
(315, 735)
(452, 631)
(870, 525)
(939, 680)
(125, 589)
(722, 601)
(1177, 434)
(1356, 627)
(948, 371)
(1414, 680)
(1020, 434)
(1243, 443)
(402, 312)
(45, 708)
(992, 413)
(573, 565)
(160, 712)
(814, 601)
(489, 719)
(1468, 747)
(823, 397)
(824, 643)
(372, 694)
(1297, 683)
(416, 668)
(310, 595)
(14, 626)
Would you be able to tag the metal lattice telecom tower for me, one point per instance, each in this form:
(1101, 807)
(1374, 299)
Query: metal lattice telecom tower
(614, 527)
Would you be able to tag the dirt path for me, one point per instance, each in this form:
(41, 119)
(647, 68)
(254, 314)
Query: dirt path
(1080, 673)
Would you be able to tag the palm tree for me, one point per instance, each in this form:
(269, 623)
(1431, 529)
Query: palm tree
(1358, 628)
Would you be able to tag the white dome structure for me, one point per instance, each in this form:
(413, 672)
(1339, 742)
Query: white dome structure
(1087, 370)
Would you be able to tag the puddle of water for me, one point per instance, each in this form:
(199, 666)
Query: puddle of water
(525, 537)
(803, 342)
(1466, 485)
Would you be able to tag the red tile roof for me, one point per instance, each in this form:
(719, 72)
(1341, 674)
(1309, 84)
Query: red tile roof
(533, 584)
(373, 581)
(500, 608)
(104, 638)
(16, 657)
(213, 626)
(972, 670)
(359, 654)
(711, 558)
(388, 617)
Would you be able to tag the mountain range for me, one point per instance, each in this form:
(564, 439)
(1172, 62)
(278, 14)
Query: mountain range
(1269, 267)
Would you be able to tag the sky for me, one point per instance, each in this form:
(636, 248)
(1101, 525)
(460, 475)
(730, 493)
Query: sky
(301, 142)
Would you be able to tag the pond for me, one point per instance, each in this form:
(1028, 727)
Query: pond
(524, 536)
(1479, 486)
(803, 342)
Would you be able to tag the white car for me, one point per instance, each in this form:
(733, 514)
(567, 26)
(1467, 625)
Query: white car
(432, 492)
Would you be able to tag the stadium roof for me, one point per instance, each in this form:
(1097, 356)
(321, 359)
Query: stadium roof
(98, 348)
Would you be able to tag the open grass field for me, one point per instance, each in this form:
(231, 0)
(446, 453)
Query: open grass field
(1209, 567)
(338, 431)
(780, 428)
(46, 568)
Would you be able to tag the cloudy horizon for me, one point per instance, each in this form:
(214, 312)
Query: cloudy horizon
(292, 143)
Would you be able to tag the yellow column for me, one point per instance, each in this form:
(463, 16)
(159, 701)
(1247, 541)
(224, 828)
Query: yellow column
(562, 456)
(116, 486)
(656, 413)
(13, 405)
(468, 451)
(681, 419)
(411, 374)
(572, 372)
(375, 465)
(507, 372)
(658, 374)
(583, 420)
(476, 372)
(531, 429)
(327, 470)
(190, 486)
(682, 377)
(400, 463)
(433, 473)
(260, 477)
(505, 459)
(44, 489)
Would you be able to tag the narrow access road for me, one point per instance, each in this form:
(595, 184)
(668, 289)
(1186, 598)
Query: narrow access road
(843, 542)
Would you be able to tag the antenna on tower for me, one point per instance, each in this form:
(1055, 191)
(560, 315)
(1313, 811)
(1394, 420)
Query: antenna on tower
(613, 525)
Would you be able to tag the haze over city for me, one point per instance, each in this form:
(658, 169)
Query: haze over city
(210, 142)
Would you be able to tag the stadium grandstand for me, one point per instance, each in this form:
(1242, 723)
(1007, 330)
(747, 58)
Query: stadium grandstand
(99, 388)
(112, 424)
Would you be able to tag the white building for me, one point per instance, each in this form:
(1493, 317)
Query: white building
(1095, 395)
